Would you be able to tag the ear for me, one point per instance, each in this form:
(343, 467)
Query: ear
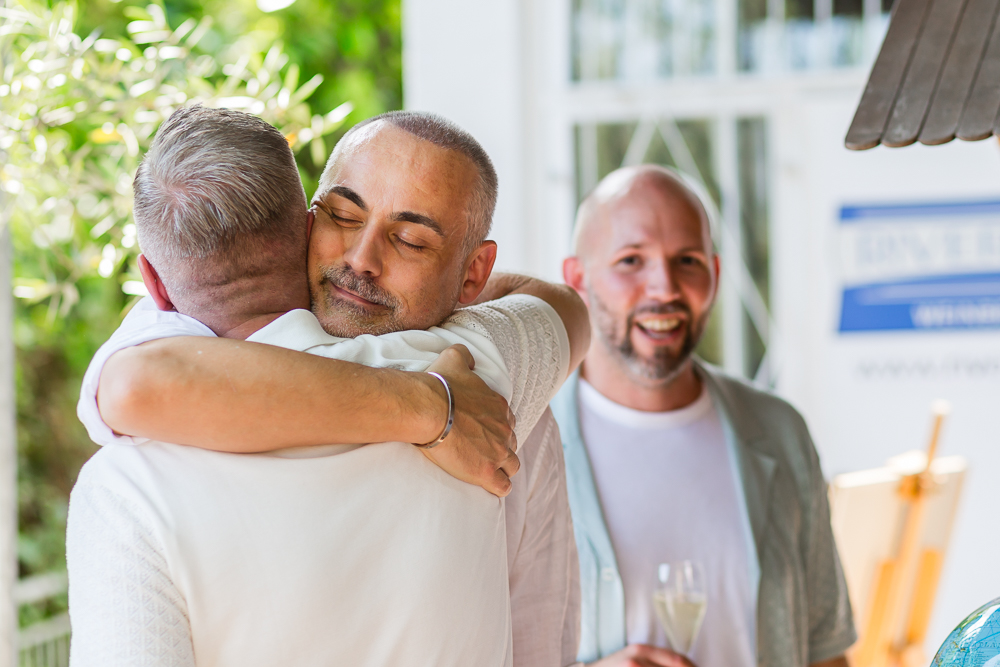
(155, 286)
(310, 219)
(573, 276)
(717, 274)
(478, 268)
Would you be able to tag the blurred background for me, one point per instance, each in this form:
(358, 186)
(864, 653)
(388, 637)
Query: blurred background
(751, 97)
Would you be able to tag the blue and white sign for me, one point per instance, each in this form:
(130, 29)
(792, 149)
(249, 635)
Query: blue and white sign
(920, 266)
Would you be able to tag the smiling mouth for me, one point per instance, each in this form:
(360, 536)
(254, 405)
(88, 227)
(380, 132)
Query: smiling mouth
(660, 327)
(347, 295)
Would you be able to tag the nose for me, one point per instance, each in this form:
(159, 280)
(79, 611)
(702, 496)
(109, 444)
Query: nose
(364, 252)
(660, 283)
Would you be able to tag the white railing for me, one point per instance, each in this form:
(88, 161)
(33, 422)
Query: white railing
(45, 643)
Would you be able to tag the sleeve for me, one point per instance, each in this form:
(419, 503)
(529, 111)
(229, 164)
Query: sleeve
(125, 610)
(831, 622)
(145, 322)
(534, 345)
(544, 575)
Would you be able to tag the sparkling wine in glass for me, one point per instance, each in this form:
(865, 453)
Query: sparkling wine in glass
(680, 600)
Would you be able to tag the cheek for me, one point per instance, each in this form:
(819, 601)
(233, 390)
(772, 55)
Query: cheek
(699, 290)
(426, 291)
(620, 292)
(326, 246)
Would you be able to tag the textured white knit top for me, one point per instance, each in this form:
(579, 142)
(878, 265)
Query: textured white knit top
(339, 555)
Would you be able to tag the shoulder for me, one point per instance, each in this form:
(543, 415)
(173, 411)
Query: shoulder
(107, 464)
(768, 424)
(127, 473)
(516, 310)
(522, 327)
(751, 406)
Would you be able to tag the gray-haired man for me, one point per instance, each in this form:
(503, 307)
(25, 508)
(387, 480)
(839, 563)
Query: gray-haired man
(356, 555)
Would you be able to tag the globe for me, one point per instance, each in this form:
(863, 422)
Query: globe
(975, 642)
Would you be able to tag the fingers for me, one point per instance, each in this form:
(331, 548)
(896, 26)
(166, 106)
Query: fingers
(511, 465)
(463, 351)
(658, 657)
(500, 485)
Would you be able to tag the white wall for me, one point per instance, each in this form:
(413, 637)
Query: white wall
(860, 419)
(490, 67)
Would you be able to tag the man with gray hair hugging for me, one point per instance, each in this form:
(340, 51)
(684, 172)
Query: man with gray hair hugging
(249, 547)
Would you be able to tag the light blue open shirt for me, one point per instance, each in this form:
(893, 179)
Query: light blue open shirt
(803, 611)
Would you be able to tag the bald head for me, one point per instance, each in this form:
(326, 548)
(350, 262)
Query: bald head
(648, 190)
(645, 265)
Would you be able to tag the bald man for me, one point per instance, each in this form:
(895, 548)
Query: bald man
(669, 460)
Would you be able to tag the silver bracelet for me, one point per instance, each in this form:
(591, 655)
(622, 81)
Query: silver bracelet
(451, 415)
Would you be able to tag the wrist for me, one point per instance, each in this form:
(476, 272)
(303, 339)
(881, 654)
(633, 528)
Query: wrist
(449, 419)
(427, 409)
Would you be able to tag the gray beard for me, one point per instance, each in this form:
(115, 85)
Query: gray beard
(664, 367)
(359, 320)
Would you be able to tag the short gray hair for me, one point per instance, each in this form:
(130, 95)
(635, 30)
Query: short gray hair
(445, 134)
(217, 183)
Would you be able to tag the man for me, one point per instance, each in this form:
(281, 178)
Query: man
(670, 460)
(423, 183)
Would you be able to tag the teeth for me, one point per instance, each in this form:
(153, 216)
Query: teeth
(659, 325)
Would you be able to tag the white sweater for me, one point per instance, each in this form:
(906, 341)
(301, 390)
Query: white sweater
(341, 555)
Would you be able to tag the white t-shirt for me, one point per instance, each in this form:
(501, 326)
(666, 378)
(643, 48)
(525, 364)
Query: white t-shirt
(668, 490)
(316, 556)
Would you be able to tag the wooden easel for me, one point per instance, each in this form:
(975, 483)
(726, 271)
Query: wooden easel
(904, 587)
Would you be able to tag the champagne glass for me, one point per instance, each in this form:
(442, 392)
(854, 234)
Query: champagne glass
(680, 600)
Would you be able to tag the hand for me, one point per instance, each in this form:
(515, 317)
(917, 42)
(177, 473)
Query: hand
(643, 655)
(480, 448)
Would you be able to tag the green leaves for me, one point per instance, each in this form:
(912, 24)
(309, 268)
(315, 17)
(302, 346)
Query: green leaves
(77, 113)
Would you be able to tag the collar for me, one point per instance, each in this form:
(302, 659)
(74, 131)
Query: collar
(295, 330)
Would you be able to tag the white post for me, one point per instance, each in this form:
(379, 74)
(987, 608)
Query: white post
(8, 459)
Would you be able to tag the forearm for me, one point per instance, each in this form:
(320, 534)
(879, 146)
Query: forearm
(238, 396)
(563, 299)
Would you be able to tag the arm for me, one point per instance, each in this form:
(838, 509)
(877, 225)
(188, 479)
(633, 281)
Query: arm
(207, 392)
(563, 299)
(124, 608)
(831, 623)
(239, 396)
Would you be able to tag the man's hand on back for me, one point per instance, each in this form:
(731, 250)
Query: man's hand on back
(480, 448)
(643, 655)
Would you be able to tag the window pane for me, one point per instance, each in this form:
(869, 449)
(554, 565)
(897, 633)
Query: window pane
(799, 9)
(848, 8)
(640, 40)
(799, 42)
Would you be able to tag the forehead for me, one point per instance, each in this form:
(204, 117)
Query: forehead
(388, 166)
(646, 215)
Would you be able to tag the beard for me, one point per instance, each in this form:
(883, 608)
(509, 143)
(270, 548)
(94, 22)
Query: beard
(344, 318)
(663, 366)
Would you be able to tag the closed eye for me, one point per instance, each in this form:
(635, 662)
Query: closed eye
(333, 216)
(411, 246)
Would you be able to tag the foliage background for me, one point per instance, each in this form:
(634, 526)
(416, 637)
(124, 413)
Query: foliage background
(69, 217)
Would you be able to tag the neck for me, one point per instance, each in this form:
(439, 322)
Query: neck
(246, 307)
(613, 380)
